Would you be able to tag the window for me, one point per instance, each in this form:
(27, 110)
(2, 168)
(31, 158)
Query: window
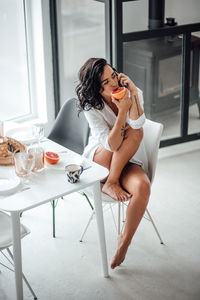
(22, 60)
(14, 94)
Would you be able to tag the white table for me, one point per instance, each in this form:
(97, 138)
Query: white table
(42, 192)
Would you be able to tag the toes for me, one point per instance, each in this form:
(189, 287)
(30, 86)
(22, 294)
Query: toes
(128, 195)
(113, 263)
(116, 192)
(125, 196)
(112, 266)
(122, 197)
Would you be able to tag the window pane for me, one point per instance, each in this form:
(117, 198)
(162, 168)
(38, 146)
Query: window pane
(14, 97)
(155, 67)
(81, 36)
(194, 109)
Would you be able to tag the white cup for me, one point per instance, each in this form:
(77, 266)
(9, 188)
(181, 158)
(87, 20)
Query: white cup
(73, 172)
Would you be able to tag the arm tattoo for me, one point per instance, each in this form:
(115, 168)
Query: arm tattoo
(137, 105)
(123, 131)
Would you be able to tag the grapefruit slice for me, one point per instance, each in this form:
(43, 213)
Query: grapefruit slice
(119, 93)
(51, 158)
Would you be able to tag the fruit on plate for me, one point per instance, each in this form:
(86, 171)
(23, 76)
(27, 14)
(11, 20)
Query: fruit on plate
(51, 157)
(119, 93)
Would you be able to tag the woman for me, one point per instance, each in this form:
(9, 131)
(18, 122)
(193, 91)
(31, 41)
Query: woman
(116, 134)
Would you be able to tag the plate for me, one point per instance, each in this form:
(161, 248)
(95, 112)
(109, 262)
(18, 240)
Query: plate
(22, 134)
(8, 184)
(59, 166)
(64, 161)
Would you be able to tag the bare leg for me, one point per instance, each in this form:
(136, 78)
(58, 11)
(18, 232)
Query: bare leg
(119, 160)
(134, 180)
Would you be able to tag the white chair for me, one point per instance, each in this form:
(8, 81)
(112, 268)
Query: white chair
(6, 242)
(151, 140)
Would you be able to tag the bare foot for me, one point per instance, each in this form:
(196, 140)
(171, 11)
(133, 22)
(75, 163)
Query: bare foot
(114, 190)
(120, 254)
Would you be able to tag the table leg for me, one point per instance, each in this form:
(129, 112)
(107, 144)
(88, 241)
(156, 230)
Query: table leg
(100, 226)
(15, 217)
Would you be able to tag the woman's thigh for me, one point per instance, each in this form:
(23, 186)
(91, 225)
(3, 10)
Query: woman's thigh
(134, 179)
(103, 157)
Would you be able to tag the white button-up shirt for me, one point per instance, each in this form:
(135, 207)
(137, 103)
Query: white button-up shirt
(101, 123)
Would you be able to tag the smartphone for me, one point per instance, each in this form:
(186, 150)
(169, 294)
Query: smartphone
(120, 85)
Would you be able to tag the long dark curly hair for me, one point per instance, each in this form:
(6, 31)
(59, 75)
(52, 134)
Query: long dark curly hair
(89, 87)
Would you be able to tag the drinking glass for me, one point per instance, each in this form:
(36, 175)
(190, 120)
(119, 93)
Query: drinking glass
(38, 132)
(38, 152)
(24, 163)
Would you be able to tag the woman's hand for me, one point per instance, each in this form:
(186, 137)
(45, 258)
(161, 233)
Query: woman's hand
(123, 104)
(135, 103)
(127, 82)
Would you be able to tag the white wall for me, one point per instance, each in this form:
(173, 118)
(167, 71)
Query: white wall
(185, 11)
(135, 13)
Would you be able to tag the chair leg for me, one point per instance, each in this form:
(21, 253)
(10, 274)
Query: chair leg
(26, 281)
(156, 230)
(7, 260)
(87, 198)
(116, 227)
(86, 227)
(91, 217)
(119, 218)
(54, 204)
(123, 214)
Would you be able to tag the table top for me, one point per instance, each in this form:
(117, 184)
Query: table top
(52, 182)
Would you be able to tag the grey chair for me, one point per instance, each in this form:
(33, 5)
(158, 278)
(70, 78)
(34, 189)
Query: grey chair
(69, 129)
(72, 132)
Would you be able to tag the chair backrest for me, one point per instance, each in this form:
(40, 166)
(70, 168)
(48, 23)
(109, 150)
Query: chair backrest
(151, 141)
(152, 135)
(149, 153)
(6, 231)
(69, 129)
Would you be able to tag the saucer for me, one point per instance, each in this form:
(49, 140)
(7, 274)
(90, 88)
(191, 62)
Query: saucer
(58, 166)
(8, 184)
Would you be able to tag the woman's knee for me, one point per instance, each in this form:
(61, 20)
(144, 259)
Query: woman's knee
(142, 188)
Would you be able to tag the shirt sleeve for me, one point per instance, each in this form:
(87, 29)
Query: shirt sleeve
(99, 127)
(137, 124)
